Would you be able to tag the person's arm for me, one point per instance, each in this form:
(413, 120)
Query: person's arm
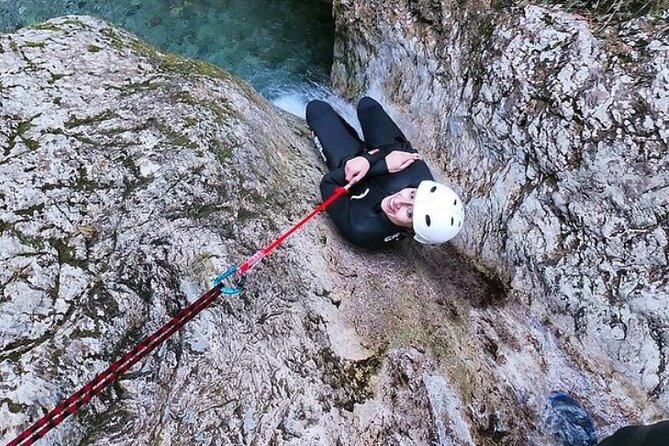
(395, 161)
(378, 168)
(374, 155)
(392, 158)
(377, 162)
(359, 167)
(340, 211)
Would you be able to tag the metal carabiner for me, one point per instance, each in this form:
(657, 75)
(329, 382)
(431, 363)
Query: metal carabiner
(218, 281)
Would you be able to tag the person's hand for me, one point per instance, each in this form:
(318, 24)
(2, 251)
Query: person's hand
(355, 169)
(398, 160)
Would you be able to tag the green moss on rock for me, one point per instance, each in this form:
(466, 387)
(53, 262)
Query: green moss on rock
(172, 136)
(23, 127)
(55, 77)
(167, 61)
(76, 122)
(66, 253)
(31, 144)
(135, 87)
(29, 240)
(222, 151)
(621, 9)
(74, 22)
(174, 63)
(46, 26)
(14, 407)
(29, 211)
(352, 378)
(33, 45)
(221, 109)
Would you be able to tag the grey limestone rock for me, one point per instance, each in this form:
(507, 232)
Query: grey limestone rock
(554, 128)
(130, 178)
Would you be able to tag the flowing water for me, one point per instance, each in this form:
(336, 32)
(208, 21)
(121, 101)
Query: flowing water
(283, 48)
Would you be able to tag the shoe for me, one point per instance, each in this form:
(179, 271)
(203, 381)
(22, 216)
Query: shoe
(569, 423)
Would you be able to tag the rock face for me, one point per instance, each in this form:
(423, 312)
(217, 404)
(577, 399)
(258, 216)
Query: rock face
(555, 129)
(129, 179)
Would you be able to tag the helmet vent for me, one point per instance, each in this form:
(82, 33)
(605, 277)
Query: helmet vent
(452, 221)
(433, 188)
(459, 223)
(428, 221)
(455, 203)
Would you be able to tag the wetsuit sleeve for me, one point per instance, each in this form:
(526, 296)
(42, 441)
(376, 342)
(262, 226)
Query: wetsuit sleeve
(340, 212)
(407, 147)
(331, 181)
(380, 167)
(374, 155)
(377, 161)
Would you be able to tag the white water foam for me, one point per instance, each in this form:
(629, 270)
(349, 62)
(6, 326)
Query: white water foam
(294, 100)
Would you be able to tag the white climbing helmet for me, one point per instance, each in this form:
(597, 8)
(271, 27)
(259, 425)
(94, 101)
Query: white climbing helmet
(438, 213)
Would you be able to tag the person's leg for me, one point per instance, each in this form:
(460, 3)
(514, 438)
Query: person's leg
(377, 126)
(335, 138)
(653, 435)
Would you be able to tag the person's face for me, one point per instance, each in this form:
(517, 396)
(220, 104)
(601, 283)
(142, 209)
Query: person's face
(399, 207)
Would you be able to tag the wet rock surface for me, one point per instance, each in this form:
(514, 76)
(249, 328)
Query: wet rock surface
(554, 129)
(130, 178)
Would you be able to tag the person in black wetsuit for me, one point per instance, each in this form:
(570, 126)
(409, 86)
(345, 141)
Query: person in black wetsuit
(393, 194)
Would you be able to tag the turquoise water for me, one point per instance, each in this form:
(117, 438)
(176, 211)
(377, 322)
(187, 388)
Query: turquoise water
(278, 46)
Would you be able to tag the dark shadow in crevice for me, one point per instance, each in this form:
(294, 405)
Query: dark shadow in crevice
(458, 276)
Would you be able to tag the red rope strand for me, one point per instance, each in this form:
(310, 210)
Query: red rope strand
(145, 347)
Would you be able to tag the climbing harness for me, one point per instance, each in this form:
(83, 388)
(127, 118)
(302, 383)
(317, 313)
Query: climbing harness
(145, 347)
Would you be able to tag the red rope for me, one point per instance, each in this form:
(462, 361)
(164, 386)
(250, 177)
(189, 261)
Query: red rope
(114, 371)
(244, 267)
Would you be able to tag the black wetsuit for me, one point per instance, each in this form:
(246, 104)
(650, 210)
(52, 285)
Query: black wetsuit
(653, 435)
(358, 215)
